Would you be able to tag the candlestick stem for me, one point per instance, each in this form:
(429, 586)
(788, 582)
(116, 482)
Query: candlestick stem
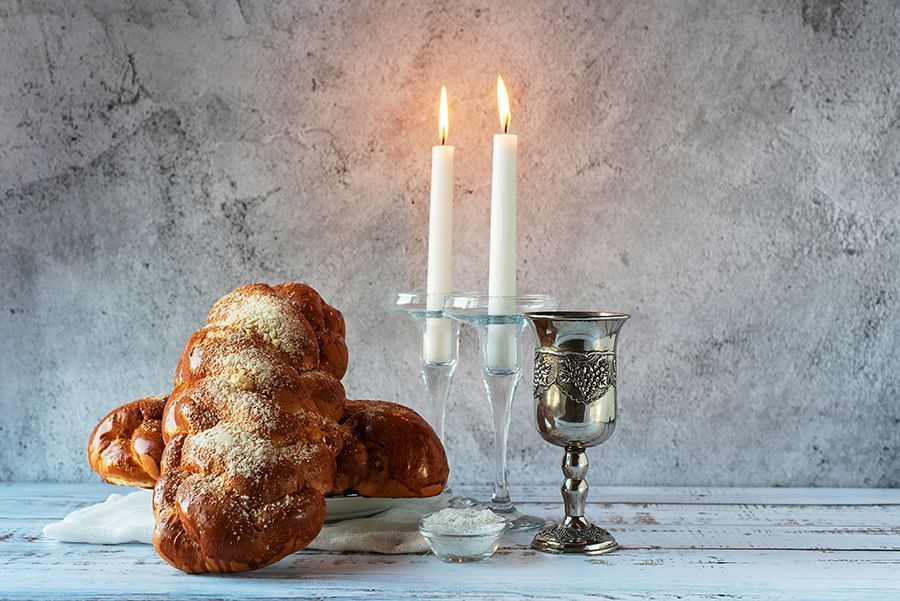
(438, 378)
(500, 387)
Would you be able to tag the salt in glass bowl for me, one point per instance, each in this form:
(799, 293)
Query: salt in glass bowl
(453, 547)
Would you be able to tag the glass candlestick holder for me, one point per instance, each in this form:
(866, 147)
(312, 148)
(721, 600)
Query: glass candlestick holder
(500, 323)
(438, 356)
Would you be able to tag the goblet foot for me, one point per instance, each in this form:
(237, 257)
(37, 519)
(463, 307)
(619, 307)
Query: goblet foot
(585, 539)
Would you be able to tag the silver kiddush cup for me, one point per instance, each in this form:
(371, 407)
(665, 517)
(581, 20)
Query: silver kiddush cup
(575, 408)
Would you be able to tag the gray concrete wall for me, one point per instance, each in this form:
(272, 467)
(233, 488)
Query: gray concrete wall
(726, 172)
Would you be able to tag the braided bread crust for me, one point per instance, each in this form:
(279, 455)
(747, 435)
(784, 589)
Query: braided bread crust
(391, 452)
(327, 322)
(126, 447)
(250, 433)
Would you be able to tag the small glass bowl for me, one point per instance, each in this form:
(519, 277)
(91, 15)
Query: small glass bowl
(463, 548)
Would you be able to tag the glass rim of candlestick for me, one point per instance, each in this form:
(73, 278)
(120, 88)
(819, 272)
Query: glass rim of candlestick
(416, 303)
(480, 301)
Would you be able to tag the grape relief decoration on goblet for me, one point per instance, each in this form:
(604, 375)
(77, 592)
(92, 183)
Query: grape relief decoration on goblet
(583, 377)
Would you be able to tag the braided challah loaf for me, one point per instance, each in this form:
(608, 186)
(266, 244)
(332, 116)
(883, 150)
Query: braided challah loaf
(251, 436)
(252, 432)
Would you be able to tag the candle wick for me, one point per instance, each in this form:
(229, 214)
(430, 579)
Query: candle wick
(506, 125)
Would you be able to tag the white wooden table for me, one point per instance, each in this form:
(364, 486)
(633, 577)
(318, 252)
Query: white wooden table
(678, 543)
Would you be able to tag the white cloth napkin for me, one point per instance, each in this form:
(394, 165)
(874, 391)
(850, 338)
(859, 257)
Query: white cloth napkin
(124, 519)
(119, 519)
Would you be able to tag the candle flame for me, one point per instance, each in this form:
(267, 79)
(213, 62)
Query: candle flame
(444, 125)
(503, 104)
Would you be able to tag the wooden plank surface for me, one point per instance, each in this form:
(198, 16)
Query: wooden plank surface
(679, 543)
(550, 494)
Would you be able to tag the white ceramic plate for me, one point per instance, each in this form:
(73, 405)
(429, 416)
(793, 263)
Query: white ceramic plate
(353, 506)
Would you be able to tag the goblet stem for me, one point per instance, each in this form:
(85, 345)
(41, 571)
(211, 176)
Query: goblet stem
(575, 487)
(500, 387)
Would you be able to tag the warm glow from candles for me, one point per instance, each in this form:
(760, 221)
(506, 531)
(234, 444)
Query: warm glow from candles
(444, 126)
(503, 104)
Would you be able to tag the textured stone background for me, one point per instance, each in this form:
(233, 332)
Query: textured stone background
(727, 172)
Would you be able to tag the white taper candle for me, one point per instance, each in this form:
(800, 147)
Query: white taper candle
(437, 342)
(501, 343)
